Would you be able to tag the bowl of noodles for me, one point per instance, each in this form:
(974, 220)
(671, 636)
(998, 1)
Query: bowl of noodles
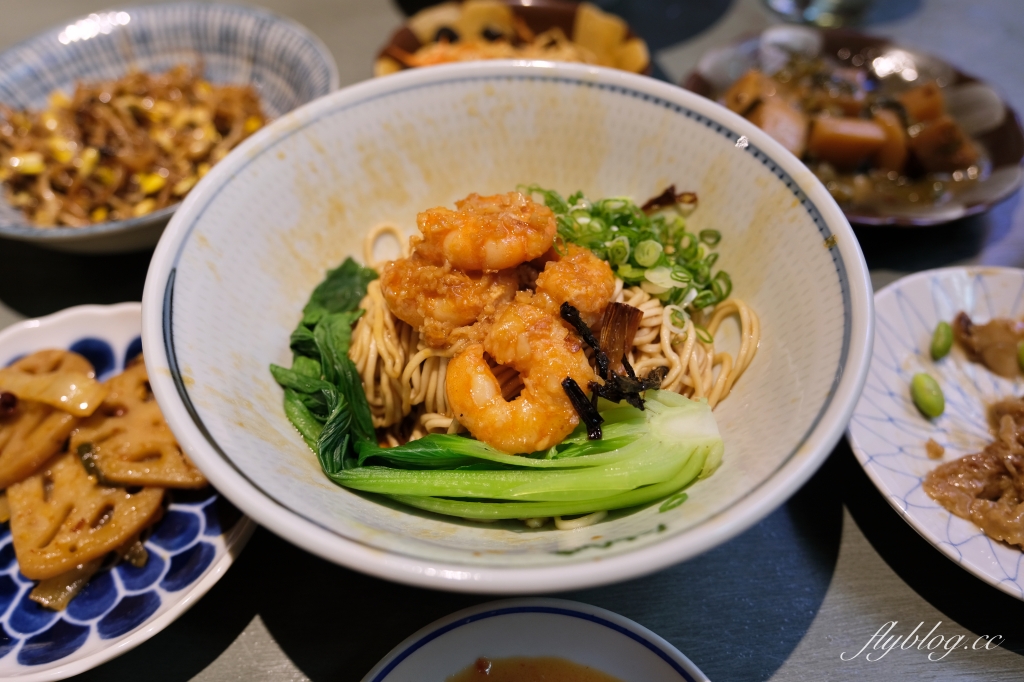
(508, 327)
(107, 122)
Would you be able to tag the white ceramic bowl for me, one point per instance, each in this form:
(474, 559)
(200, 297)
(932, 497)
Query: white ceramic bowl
(286, 64)
(887, 433)
(556, 628)
(238, 261)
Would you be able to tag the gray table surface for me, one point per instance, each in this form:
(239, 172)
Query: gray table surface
(781, 602)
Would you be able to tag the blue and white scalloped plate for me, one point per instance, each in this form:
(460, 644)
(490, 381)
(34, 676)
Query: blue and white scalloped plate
(190, 548)
(887, 432)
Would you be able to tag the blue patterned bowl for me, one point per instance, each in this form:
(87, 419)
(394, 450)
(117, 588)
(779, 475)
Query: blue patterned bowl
(286, 64)
(189, 550)
(888, 434)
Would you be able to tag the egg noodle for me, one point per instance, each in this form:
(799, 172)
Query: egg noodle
(403, 376)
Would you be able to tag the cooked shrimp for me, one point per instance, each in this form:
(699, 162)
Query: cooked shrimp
(544, 352)
(579, 278)
(436, 299)
(486, 233)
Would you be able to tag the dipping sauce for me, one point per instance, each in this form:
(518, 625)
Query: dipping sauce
(529, 669)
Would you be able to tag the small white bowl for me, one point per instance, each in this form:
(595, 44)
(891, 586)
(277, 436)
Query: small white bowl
(230, 277)
(555, 628)
(191, 547)
(286, 64)
(888, 433)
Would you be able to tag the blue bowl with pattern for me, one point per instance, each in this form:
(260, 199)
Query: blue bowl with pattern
(190, 548)
(285, 63)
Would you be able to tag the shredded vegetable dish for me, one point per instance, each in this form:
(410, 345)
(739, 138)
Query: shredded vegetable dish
(121, 149)
(523, 359)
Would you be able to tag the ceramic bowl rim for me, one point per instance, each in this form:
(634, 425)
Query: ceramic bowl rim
(46, 236)
(502, 607)
(815, 446)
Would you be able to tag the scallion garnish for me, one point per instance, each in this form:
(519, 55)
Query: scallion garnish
(653, 251)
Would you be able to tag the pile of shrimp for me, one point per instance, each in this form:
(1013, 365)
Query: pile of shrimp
(121, 149)
(464, 330)
(479, 343)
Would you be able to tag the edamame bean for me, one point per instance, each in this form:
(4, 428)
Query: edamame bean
(927, 395)
(942, 340)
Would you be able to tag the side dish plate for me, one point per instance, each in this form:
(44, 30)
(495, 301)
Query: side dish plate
(286, 64)
(974, 104)
(556, 628)
(888, 433)
(189, 550)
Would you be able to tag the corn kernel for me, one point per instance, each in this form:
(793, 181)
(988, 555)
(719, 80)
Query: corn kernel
(252, 124)
(105, 175)
(89, 158)
(143, 207)
(29, 163)
(62, 150)
(150, 183)
(203, 169)
(163, 137)
(58, 100)
(49, 120)
(194, 116)
(99, 214)
(202, 88)
(161, 111)
(22, 200)
(182, 186)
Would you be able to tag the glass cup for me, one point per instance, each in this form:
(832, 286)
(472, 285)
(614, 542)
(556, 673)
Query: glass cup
(824, 13)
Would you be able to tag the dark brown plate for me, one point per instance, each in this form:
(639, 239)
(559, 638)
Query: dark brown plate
(1003, 141)
(539, 15)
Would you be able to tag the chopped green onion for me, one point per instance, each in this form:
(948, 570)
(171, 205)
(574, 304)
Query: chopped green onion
(710, 237)
(647, 253)
(618, 250)
(654, 251)
(703, 334)
(660, 276)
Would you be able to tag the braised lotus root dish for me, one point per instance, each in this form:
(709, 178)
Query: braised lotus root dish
(868, 149)
(83, 467)
(121, 149)
(529, 357)
(490, 29)
(986, 488)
